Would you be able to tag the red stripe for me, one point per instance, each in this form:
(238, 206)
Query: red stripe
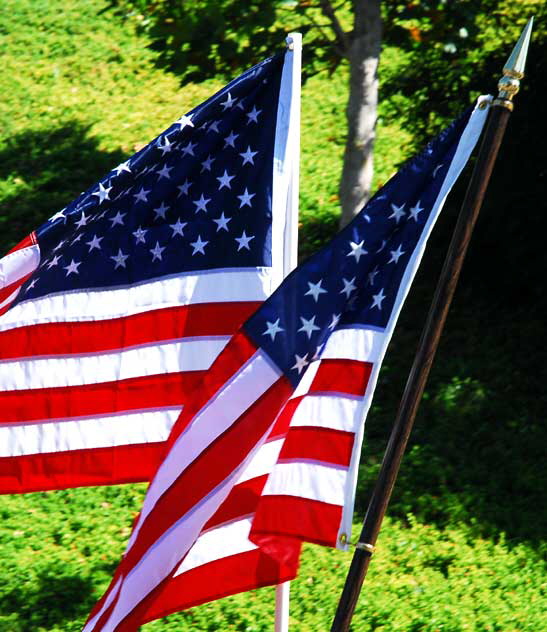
(80, 468)
(318, 444)
(228, 576)
(341, 376)
(283, 421)
(209, 469)
(140, 393)
(29, 240)
(9, 289)
(7, 307)
(301, 518)
(241, 501)
(170, 323)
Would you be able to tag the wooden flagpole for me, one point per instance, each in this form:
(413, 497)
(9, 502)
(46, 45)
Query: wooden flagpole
(500, 110)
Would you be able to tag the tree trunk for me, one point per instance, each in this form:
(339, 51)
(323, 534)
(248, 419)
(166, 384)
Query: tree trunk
(364, 54)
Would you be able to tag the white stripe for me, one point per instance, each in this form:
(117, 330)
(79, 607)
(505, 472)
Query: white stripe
(216, 286)
(263, 462)
(18, 264)
(220, 412)
(164, 556)
(172, 357)
(306, 380)
(224, 541)
(96, 432)
(308, 480)
(91, 623)
(328, 411)
(354, 343)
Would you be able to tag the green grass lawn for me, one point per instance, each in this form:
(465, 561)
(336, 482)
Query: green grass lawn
(80, 91)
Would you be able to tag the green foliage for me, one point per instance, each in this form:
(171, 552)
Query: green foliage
(206, 38)
(81, 89)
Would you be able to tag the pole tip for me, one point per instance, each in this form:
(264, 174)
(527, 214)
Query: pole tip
(294, 41)
(513, 71)
(517, 60)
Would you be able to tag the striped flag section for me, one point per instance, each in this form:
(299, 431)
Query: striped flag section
(113, 310)
(265, 455)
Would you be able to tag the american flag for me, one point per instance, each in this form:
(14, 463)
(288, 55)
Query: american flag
(266, 455)
(113, 309)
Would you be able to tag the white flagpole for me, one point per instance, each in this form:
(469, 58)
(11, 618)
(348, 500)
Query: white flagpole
(290, 238)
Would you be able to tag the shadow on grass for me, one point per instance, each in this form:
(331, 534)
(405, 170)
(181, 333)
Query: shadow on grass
(53, 598)
(41, 172)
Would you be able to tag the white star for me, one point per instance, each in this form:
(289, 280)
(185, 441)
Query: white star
(166, 147)
(222, 222)
(230, 139)
(58, 215)
(102, 193)
(164, 172)
(213, 126)
(357, 250)
(273, 329)
(245, 198)
(377, 299)
(160, 211)
(248, 156)
(398, 212)
(183, 188)
(315, 290)
(396, 254)
(177, 228)
(189, 148)
(228, 103)
(72, 267)
(201, 204)
(184, 121)
(156, 251)
(94, 243)
(308, 326)
(119, 259)
(335, 320)
(31, 284)
(300, 363)
(253, 115)
(413, 212)
(59, 245)
(139, 235)
(54, 262)
(76, 239)
(243, 241)
(83, 220)
(348, 287)
(123, 166)
(206, 164)
(382, 246)
(371, 276)
(198, 246)
(224, 180)
(117, 219)
(141, 195)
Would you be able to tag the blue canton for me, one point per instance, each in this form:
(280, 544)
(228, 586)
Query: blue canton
(198, 197)
(355, 279)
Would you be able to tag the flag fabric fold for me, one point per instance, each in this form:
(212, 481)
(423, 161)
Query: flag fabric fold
(112, 310)
(265, 455)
